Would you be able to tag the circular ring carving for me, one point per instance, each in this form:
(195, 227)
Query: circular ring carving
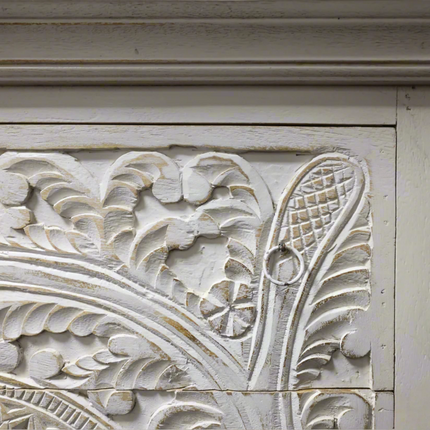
(282, 247)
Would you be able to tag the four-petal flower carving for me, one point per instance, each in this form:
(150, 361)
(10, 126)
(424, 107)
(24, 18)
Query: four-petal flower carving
(228, 308)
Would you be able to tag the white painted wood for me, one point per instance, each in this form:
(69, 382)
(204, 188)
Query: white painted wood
(129, 274)
(187, 51)
(36, 408)
(412, 282)
(208, 105)
(384, 411)
(244, 138)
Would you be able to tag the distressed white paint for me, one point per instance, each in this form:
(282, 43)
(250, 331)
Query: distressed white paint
(61, 336)
(117, 317)
(53, 409)
(363, 141)
(413, 275)
(192, 105)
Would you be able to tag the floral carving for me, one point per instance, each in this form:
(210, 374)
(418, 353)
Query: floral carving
(229, 308)
(139, 326)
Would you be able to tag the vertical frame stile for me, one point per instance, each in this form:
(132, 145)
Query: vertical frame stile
(413, 274)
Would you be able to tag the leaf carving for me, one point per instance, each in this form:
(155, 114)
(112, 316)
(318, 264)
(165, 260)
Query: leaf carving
(243, 219)
(125, 179)
(71, 191)
(69, 188)
(129, 362)
(32, 318)
(188, 415)
(104, 219)
(334, 410)
(340, 292)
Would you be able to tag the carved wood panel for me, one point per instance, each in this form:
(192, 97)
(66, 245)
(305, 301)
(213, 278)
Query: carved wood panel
(133, 296)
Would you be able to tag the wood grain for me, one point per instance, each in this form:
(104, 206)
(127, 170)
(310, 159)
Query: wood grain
(413, 272)
(244, 138)
(204, 9)
(207, 105)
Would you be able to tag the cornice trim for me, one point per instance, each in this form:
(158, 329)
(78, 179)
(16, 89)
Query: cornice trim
(202, 74)
(216, 51)
(210, 9)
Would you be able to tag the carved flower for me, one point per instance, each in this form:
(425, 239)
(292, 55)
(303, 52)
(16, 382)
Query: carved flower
(13, 192)
(228, 308)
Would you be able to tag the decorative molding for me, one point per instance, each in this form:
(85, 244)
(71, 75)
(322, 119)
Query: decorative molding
(317, 72)
(209, 9)
(196, 51)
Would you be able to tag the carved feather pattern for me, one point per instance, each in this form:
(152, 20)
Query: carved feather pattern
(56, 239)
(334, 410)
(129, 362)
(104, 219)
(125, 179)
(241, 218)
(314, 214)
(74, 196)
(32, 318)
(340, 291)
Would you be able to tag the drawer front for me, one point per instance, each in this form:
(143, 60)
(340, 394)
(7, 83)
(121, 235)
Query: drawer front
(234, 277)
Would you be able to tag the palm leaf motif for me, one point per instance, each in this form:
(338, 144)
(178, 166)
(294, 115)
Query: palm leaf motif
(154, 242)
(315, 212)
(63, 182)
(32, 318)
(328, 299)
(104, 224)
(102, 215)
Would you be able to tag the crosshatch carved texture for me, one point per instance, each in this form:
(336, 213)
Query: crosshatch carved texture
(102, 330)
